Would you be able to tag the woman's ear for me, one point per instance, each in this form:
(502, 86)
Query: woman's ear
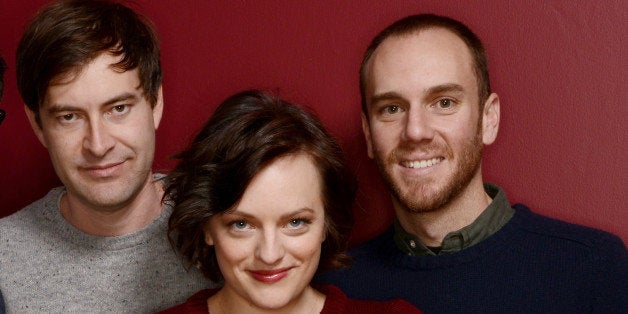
(209, 240)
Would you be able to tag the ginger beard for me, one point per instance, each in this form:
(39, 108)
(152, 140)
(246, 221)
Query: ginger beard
(426, 194)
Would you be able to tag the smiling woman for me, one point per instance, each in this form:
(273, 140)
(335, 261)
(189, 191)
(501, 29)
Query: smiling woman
(262, 201)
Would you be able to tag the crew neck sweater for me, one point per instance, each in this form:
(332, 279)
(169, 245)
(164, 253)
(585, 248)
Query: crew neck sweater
(493, 218)
(336, 302)
(533, 264)
(47, 265)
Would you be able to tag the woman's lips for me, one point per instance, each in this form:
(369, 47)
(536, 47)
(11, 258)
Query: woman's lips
(270, 276)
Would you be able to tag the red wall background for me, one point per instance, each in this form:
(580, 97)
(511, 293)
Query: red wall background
(558, 66)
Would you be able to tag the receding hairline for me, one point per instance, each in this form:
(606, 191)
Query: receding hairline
(368, 60)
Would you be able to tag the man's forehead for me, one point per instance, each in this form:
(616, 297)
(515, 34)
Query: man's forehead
(415, 63)
(72, 73)
(438, 40)
(63, 89)
(421, 48)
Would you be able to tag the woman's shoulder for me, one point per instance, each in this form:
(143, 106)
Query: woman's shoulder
(337, 302)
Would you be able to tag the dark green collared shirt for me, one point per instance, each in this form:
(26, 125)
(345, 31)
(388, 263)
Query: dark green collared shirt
(495, 216)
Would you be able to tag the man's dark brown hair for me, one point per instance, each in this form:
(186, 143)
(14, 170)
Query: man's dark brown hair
(67, 35)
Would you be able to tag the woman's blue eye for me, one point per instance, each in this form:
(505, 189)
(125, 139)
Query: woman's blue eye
(298, 223)
(240, 224)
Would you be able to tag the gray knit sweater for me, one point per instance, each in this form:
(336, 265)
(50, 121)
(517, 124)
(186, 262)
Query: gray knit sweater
(47, 265)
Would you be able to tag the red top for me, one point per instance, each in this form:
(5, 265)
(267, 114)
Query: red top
(335, 302)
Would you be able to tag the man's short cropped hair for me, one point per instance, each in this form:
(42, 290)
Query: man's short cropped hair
(415, 23)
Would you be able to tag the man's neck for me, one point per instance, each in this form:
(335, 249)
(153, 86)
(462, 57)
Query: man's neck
(432, 227)
(142, 210)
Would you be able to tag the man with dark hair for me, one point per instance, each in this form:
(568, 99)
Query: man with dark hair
(90, 76)
(456, 244)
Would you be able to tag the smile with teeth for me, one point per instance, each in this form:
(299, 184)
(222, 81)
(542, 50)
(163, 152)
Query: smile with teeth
(418, 164)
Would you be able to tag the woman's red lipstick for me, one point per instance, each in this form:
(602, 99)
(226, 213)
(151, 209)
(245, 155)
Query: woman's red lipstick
(270, 276)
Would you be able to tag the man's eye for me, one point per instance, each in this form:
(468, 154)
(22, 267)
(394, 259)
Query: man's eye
(392, 109)
(68, 117)
(120, 108)
(445, 103)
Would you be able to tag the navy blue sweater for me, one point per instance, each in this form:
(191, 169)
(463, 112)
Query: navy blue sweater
(533, 264)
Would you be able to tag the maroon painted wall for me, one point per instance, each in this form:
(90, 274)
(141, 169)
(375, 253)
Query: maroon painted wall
(557, 65)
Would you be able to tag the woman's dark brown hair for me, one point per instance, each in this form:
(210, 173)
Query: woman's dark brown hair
(247, 132)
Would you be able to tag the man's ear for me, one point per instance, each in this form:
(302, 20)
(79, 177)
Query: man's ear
(366, 130)
(490, 119)
(35, 125)
(158, 109)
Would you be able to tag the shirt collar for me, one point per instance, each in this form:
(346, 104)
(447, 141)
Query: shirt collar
(495, 216)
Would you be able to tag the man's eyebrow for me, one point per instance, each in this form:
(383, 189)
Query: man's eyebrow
(54, 108)
(434, 90)
(119, 98)
(439, 89)
(384, 96)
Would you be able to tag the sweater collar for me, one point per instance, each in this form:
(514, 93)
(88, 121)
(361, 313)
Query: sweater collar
(493, 218)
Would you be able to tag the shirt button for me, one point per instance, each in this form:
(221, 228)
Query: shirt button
(412, 244)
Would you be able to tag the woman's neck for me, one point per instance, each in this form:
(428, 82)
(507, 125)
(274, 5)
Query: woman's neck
(227, 301)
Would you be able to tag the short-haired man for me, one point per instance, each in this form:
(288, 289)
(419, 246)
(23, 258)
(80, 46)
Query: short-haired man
(457, 245)
(90, 76)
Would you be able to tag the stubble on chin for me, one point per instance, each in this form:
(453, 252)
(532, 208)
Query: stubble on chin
(111, 197)
(425, 195)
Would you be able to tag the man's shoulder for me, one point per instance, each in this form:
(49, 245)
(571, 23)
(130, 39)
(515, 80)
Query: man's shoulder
(569, 234)
(40, 211)
(380, 244)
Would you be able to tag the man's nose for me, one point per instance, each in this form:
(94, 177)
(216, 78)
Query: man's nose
(98, 140)
(418, 125)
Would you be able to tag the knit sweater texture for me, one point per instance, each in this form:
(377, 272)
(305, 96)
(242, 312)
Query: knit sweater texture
(533, 264)
(47, 265)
